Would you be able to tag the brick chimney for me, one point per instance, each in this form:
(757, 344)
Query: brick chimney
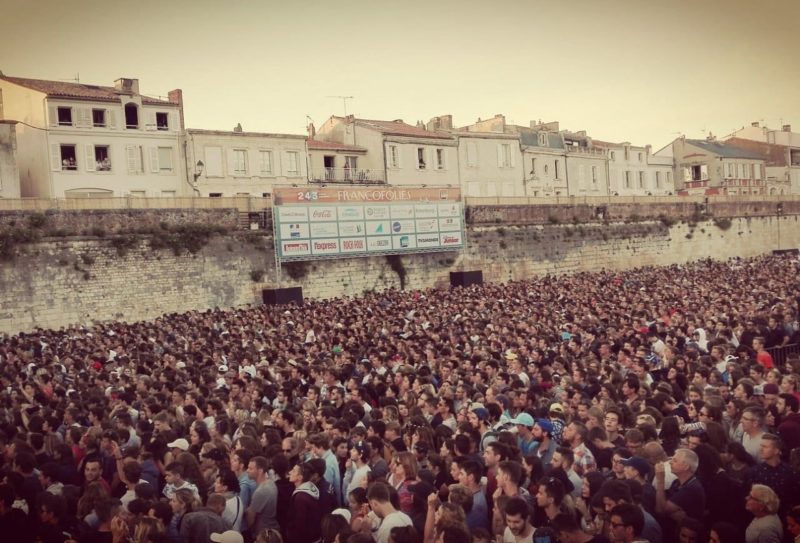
(755, 124)
(238, 128)
(126, 85)
(176, 97)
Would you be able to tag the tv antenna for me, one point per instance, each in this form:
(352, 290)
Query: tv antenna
(344, 100)
(76, 79)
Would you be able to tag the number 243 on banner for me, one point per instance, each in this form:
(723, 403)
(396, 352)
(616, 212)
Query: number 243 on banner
(310, 195)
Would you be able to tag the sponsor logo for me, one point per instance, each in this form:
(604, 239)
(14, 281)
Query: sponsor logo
(324, 245)
(404, 241)
(379, 229)
(353, 245)
(295, 247)
(451, 240)
(294, 230)
(396, 227)
(421, 240)
(322, 214)
(350, 213)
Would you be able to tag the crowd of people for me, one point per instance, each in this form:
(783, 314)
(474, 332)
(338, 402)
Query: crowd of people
(658, 404)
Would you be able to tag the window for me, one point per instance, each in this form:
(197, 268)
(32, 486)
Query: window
(627, 153)
(641, 180)
(440, 159)
(215, 195)
(699, 173)
(546, 169)
(556, 169)
(292, 164)
(239, 162)
(669, 178)
(542, 140)
(731, 170)
(640, 157)
(99, 118)
(102, 158)
(745, 171)
(213, 156)
(131, 116)
(133, 157)
(265, 161)
(420, 158)
(533, 166)
(394, 157)
(504, 157)
(756, 171)
(594, 175)
(613, 155)
(65, 116)
(658, 180)
(165, 159)
(69, 160)
(350, 165)
(162, 121)
(627, 180)
(472, 154)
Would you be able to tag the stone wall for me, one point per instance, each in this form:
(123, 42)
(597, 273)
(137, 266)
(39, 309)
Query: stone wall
(57, 282)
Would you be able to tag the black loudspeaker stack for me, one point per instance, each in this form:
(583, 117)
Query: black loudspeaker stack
(466, 278)
(279, 296)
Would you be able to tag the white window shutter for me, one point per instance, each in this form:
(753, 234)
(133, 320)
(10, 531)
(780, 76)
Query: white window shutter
(174, 121)
(150, 120)
(84, 117)
(430, 161)
(704, 172)
(512, 155)
(687, 174)
(231, 162)
(55, 157)
(499, 155)
(470, 154)
(111, 118)
(154, 159)
(52, 113)
(89, 154)
(399, 153)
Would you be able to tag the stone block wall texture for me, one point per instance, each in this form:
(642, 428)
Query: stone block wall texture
(58, 282)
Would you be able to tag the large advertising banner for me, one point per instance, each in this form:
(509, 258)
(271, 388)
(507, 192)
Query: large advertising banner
(345, 222)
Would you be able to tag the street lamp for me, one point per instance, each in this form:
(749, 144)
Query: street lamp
(198, 170)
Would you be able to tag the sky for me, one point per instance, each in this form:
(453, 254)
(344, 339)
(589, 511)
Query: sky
(643, 71)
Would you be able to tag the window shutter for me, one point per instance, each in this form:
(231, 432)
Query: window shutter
(231, 161)
(150, 120)
(512, 155)
(687, 174)
(470, 154)
(499, 156)
(154, 159)
(430, 161)
(55, 157)
(111, 118)
(174, 121)
(88, 152)
(133, 158)
(84, 117)
(398, 152)
(704, 172)
(52, 112)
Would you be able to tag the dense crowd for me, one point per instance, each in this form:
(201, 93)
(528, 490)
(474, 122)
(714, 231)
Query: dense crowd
(657, 404)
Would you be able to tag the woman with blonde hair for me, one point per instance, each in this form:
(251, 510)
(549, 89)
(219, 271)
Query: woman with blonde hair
(147, 530)
(404, 474)
(182, 503)
(766, 527)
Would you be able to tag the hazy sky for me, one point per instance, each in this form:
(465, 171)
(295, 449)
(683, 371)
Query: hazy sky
(624, 70)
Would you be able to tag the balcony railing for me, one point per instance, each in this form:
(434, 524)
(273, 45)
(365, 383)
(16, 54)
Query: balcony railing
(348, 176)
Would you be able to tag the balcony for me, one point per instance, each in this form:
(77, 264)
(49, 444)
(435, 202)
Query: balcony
(592, 151)
(348, 176)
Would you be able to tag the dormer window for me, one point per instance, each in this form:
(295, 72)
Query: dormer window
(543, 140)
(131, 116)
(65, 116)
(162, 121)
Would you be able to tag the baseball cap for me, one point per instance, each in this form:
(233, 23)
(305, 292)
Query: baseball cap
(638, 463)
(223, 368)
(342, 513)
(557, 408)
(524, 419)
(481, 412)
(179, 443)
(545, 425)
(231, 536)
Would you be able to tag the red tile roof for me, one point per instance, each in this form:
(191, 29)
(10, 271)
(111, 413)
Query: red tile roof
(78, 91)
(399, 128)
(333, 146)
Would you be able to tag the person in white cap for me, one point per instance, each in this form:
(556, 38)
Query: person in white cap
(230, 536)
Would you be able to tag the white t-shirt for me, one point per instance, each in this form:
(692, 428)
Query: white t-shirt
(392, 520)
(509, 537)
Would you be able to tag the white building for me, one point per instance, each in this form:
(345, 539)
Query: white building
(9, 171)
(408, 155)
(756, 132)
(100, 141)
(239, 163)
(332, 162)
(635, 171)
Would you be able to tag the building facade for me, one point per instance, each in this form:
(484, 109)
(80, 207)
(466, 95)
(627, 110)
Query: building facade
(635, 171)
(782, 164)
(9, 169)
(238, 163)
(711, 167)
(99, 141)
(332, 162)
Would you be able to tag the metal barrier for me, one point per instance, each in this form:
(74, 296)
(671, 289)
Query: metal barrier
(781, 354)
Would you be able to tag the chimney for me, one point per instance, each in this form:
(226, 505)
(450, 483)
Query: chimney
(787, 128)
(350, 119)
(176, 97)
(238, 128)
(311, 130)
(126, 85)
(754, 124)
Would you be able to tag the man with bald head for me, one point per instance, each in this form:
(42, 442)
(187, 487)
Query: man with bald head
(654, 453)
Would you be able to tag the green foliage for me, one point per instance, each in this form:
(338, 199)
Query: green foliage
(723, 223)
(256, 275)
(296, 270)
(125, 243)
(666, 220)
(180, 238)
(37, 220)
(11, 238)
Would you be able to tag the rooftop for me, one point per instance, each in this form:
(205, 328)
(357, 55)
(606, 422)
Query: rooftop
(399, 128)
(724, 150)
(234, 133)
(333, 146)
(775, 155)
(78, 91)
